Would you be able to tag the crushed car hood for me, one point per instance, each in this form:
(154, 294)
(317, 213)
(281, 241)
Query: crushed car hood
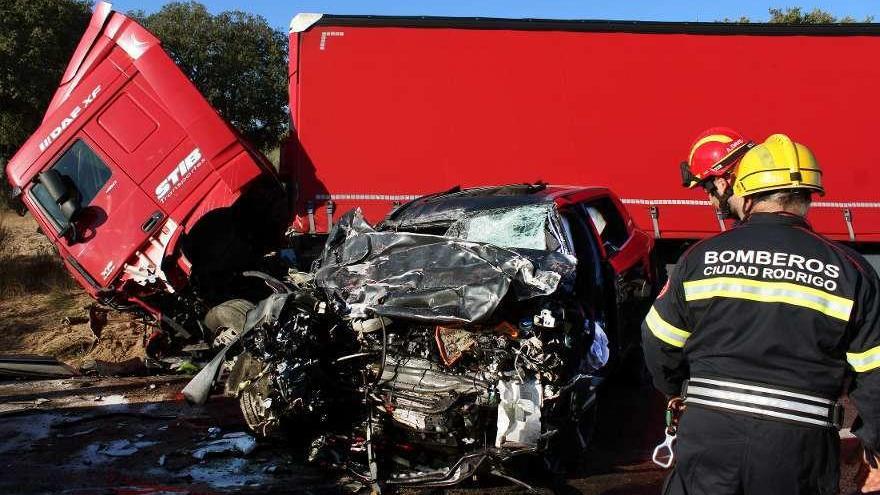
(429, 277)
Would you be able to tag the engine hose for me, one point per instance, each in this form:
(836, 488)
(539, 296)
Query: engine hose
(424, 390)
(353, 356)
(384, 352)
(419, 373)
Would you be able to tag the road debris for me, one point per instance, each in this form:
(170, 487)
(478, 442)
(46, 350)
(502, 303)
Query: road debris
(230, 443)
(124, 448)
(33, 367)
(111, 399)
(74, 320)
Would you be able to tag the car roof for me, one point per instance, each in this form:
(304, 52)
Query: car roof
(447, 206)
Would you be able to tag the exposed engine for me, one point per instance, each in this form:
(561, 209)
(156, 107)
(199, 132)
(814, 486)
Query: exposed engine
(410, 403)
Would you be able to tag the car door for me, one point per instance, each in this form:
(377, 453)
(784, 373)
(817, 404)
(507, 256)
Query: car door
(627, 254)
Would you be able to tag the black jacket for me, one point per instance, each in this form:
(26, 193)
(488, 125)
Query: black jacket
(771, 302)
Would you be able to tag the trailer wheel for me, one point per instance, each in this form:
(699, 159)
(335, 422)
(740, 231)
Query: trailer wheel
(226, 318)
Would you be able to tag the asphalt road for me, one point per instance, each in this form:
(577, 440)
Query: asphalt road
(135, 436)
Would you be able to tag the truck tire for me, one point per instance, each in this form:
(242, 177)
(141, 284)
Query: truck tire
(229, 315)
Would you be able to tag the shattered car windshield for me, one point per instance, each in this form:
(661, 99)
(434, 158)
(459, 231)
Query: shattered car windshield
(522, 227)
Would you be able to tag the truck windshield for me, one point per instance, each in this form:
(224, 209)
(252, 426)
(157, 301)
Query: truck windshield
(87, 171)
(524, 227)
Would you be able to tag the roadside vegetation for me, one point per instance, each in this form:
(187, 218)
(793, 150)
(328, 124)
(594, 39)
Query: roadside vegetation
(4, 231)
(236, 59)
(797, 15)
(28, 264)
(33, 274)
(37, 38)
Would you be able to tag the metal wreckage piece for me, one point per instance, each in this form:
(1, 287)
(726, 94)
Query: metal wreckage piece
(419, 359)
(428, 277)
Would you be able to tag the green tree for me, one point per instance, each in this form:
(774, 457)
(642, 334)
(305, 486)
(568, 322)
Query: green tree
(37, 38)
(796, 15)
(235, 59)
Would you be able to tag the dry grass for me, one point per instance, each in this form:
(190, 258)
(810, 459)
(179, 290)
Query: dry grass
(32, 274)
(24, 270)
(4, 232)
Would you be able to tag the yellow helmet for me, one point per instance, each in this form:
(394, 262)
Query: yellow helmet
(777, 163)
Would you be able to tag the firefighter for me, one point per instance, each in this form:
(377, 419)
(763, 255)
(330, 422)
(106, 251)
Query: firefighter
(712, 158)
(757, 329)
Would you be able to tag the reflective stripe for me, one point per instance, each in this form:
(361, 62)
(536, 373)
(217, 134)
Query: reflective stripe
(664, 330)
(864, 361)
(783, 292)
(762, 412)
(758, 400)
(756, 388)
(694, 202)
(660, 202)
(366, 197)
(763, 400)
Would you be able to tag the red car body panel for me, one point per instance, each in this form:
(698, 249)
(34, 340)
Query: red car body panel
(636, 250)
(385, 109)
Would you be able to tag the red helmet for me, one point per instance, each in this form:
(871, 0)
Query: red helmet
(714, 154)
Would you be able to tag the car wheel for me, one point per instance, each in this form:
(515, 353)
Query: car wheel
(226, 320)
(255, 403)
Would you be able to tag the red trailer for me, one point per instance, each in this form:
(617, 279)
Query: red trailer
(388, 108)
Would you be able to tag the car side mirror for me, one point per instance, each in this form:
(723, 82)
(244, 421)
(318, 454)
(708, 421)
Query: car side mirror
(63, 192)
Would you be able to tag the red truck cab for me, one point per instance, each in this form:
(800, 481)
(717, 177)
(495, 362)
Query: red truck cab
(131, 165)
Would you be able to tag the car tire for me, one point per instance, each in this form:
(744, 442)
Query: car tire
(245, 368)
(229, 315)
(252, 401)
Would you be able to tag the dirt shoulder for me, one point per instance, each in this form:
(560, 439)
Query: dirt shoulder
(44, 312)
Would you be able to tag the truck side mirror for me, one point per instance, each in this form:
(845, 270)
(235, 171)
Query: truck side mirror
(63, 192)
(15, 202)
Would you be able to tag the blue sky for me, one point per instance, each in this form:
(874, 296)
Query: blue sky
(279, 13)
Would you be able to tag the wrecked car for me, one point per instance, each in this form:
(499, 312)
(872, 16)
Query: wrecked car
(467, 329)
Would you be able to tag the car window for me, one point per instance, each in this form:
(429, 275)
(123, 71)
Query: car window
(524, 227)
(608, 222)
(82, 166)
(598, 219)
(588, 282)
